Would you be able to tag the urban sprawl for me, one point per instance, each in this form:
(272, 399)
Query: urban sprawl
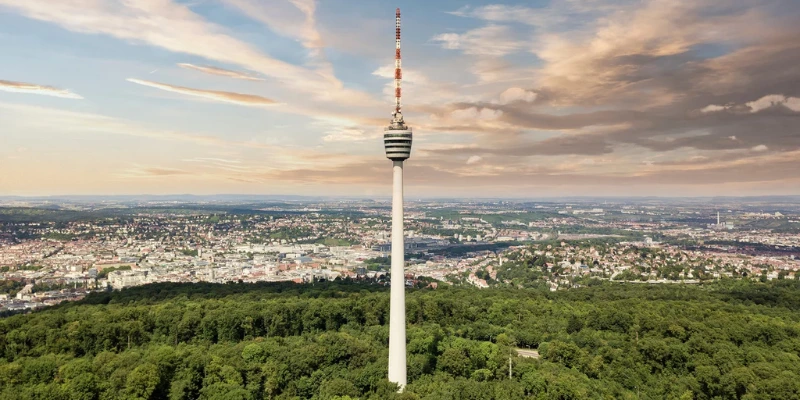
(51, 253)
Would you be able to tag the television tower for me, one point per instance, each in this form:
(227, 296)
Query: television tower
(397, 141)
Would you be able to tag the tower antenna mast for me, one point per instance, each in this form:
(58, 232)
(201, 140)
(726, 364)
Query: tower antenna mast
(398, 69)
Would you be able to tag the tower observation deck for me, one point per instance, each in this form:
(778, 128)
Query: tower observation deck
(397, 139)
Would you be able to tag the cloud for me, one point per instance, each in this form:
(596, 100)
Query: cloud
(513, 94)
(174, 27)
(639, 82)
(712, 108)
(347, 134)
(495, 70)
(476, 113)
(553, 15)
(418, 87)
(474, 160)
(219, 164)
(579, 93)
(522, 177)
(213, 159)
(501, 13)
(64, 122)
(763, 103)
(259, 101)
(20, 87)
(220, 71)
(294, 19)
(650, 47)
(491, 40)
(291, 18)
(51, 120)
(774, 100)
(792, 103)
(524, 117)
(226, 97)
(172, 175)
(38, 122)
(558, 145)
(155, 171)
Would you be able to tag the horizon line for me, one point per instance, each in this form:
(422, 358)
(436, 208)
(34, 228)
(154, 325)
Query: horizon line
(57, 196)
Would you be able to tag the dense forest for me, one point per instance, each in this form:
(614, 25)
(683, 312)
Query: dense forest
(727, 340)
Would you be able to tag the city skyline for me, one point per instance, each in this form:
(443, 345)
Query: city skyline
(519, 100)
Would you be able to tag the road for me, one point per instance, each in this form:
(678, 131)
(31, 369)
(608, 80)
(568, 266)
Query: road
(529, 353)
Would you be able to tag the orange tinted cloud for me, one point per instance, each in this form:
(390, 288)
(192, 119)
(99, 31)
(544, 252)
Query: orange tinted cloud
(227, 97)
(219, 71)
(20, 87)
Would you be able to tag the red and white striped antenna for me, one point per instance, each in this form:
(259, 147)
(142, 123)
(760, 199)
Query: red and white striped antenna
(398, 73)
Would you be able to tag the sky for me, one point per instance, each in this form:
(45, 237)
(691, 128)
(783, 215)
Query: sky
(507, 99)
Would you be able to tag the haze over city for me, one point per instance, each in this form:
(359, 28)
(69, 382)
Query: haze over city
(506, 98)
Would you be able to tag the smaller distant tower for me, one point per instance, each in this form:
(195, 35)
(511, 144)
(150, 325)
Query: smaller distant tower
(717, 218)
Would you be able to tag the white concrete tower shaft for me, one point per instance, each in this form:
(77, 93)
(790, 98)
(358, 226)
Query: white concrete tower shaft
(397, 310)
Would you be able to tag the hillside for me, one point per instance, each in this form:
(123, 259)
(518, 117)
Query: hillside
(732, 340)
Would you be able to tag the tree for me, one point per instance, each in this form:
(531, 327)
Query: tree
(83, 387)
(337, 387)
(455, 362)
(574, 324)
(142, 381)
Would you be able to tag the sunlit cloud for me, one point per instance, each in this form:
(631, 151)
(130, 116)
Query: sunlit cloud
(491, 40)
(212, 159)
(792, 103)
(219, 164)
(571, 93)
(557, 12)
(503, 13)
(226, 97)
(347, 134)
(763, 103)
(295, 19)
(175, 27)
(220, 72)
(164, 171)
(63, 122)
(20, 87)
(513, 94)
(712, 108)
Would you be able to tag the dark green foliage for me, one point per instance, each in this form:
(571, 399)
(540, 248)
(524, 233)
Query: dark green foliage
(11, 287)
(189, 252)
(731, 340)
(62, 237)
(335, 242)
(104, 273)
